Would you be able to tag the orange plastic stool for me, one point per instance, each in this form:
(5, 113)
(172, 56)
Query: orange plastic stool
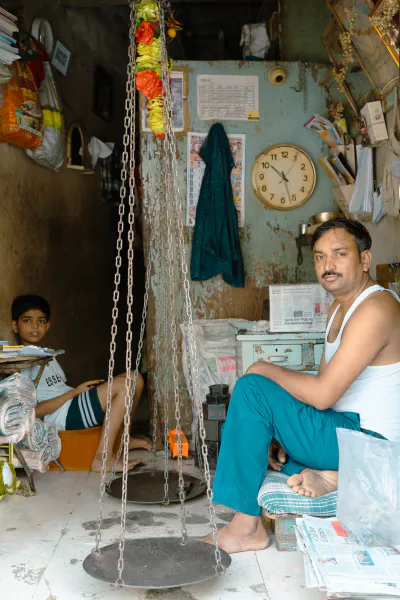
(79, 448)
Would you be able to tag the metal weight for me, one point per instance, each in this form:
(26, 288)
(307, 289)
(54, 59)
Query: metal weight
(147, 487)
(157, 563)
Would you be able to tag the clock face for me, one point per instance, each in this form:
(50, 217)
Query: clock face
(283, 177)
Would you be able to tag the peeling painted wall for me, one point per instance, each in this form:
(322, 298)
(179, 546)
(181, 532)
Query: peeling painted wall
(57, 238)
(268, 238)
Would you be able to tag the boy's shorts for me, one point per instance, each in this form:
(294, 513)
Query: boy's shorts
(85, 411)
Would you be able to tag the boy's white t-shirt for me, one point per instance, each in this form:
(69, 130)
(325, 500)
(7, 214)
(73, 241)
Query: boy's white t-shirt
(52, 384)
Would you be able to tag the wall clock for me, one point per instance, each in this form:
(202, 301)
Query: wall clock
(283, 177)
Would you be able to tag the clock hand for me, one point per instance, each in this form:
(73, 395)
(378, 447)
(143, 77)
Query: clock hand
(287, 188)
(279, 173)
(294, 160)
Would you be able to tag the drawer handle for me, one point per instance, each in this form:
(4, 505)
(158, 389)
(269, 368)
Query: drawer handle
(277, 358)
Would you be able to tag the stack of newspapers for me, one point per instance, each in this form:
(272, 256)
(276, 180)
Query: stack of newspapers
(336, 563)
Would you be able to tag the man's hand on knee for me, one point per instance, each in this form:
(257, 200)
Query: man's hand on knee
(277, 456)
(258, 368)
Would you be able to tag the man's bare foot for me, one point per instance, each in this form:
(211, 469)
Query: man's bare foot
(140, 442)
(97, 465)
(242, 534)
(313, 483)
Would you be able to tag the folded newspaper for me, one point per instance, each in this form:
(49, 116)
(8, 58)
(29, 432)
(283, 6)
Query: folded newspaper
(339, 565)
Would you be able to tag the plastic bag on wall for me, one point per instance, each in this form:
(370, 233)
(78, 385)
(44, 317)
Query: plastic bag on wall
(369, 487)
(51, 152)
(362, 200)
(21, 118)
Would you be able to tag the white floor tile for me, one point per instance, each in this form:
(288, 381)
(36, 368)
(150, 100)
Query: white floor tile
(44, 540)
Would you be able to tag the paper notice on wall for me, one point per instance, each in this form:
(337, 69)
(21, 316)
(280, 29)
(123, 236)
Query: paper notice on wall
(298, 308)
(176, 86)
(196, 168)
(227, 97)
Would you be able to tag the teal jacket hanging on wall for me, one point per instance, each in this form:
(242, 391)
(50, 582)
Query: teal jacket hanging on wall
(216, 246)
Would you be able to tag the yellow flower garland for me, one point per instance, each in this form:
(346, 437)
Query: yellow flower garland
(149, 59)
(147, 10)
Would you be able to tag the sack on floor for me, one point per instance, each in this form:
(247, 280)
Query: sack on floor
(368, 503)
(219, 357)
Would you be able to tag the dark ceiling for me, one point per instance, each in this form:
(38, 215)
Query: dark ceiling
(211, 28)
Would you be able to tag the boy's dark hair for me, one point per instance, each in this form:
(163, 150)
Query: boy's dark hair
(22, 304)
(361, 233)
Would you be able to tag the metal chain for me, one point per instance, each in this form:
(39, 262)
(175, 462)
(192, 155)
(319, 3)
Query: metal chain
(129, 384)
(116, 294)
(170, 148)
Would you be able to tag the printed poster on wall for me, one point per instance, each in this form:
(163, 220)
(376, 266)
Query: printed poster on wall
(227, 97)
(196, 168)
(176, 84)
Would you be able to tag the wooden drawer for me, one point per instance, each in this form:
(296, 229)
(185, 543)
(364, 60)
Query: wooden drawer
(284, 355)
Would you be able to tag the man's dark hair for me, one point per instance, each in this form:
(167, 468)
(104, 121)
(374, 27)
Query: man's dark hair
(361, 233)
(22, 304)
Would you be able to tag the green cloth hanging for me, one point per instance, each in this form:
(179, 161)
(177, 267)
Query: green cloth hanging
(216, 246)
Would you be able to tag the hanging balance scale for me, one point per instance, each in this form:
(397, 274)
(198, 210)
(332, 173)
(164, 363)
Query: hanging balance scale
(157, 562)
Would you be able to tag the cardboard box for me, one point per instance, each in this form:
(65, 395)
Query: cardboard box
(375, 122)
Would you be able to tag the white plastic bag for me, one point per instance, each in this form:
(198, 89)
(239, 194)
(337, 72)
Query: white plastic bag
(50, 153)
(368, 503)
(361, 202)
(219, 357)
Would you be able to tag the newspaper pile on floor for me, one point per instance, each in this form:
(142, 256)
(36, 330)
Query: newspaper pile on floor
(337, 564)
(39, 442)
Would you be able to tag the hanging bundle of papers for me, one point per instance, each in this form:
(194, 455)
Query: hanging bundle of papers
(325, 129)
(339, 565)
(8, 48)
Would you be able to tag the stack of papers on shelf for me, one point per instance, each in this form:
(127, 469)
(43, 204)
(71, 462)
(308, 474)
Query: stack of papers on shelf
(339, 565)
(8, 49)
(21, 351)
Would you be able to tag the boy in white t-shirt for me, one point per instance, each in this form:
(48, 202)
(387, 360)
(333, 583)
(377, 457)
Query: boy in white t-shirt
(70, 408)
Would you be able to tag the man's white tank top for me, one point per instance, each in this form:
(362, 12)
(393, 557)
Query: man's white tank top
(375, 394)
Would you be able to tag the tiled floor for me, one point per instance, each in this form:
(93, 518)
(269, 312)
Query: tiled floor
(44, 540)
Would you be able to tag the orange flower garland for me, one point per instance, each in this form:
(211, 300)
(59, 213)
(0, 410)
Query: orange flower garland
(149, 64)
(149, 83)
(145, 33)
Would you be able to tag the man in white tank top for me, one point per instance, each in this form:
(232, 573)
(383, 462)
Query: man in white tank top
(358, 387)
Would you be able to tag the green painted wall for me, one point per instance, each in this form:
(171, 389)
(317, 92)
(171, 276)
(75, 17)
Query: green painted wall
(268, 238)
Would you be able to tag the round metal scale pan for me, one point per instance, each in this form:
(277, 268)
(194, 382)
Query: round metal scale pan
(146, 488)
(156, 563)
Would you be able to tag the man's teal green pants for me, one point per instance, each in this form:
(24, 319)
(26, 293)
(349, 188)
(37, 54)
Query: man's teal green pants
(260, 410)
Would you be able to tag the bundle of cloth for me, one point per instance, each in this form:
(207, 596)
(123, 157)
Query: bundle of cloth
(40, 446)
(17, 414)
(39, 442)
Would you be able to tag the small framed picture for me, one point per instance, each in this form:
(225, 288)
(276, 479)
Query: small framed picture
(61, 58)
(103, 90)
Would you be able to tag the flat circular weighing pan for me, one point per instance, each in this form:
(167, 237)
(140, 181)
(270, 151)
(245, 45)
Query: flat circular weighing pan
(156, 563)
(147, 488)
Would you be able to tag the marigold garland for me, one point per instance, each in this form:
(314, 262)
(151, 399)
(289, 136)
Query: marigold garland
(149, 62)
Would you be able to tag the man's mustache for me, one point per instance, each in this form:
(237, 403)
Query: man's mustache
(329, 273)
